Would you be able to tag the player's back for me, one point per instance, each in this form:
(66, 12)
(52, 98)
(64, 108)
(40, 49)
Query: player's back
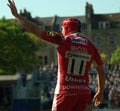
(75, 55)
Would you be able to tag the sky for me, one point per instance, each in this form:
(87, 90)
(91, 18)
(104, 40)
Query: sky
(62, 8)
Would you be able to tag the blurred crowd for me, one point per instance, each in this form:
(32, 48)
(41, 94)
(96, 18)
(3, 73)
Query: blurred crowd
(112, 88)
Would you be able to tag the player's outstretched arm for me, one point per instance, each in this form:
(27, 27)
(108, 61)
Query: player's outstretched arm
(30, 26)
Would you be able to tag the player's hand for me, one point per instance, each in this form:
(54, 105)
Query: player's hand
(12, 7)
(98, 98)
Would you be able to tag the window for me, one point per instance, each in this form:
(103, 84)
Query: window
(111, 40)
(40, 59)
(97, 40)
(104, 25)
(45, 60)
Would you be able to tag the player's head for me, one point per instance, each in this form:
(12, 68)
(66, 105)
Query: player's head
(70, 25)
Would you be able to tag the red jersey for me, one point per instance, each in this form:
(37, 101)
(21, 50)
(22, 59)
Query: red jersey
(75, 56)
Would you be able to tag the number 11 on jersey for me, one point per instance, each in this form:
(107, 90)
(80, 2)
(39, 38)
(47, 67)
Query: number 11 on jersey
(77, 63)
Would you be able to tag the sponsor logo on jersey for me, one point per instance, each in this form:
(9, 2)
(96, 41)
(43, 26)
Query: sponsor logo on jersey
(75, 87)
(79, 40)
(71, 79)
(77, 55)
(51, 33)
(79, 49)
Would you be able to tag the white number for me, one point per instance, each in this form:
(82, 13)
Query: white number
(77, 63)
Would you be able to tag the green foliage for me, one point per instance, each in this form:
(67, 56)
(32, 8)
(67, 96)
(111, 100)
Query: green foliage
(37, 41)
(104, 56)
(115, 57)
(16, 47)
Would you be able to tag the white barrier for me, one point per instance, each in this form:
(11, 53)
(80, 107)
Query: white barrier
(106, 110)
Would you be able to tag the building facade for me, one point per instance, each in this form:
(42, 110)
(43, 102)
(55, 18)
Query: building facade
(103, 30)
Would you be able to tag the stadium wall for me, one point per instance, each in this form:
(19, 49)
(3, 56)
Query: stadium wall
(106, 110)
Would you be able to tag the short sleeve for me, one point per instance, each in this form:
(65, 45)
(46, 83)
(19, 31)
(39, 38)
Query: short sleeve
(97, 58)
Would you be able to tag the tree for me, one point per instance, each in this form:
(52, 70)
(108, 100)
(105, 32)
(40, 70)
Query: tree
(115, 57)
(16, 47)
(104, 56)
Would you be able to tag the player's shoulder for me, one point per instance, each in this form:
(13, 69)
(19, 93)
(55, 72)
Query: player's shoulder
(78, 38)
(86, 38)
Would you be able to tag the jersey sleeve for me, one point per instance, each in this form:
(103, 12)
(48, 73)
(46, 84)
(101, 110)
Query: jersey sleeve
(52, 37)
(97, 58)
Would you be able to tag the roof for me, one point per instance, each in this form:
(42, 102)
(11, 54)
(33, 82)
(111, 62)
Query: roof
(108, 17)
(48, 21)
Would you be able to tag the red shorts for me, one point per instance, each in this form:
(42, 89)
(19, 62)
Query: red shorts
(72, 102)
